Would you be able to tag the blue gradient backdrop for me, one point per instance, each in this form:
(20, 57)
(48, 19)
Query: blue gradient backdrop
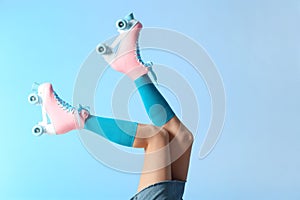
(255, 45)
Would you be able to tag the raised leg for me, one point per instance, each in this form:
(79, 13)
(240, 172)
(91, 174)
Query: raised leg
(155, 142)
(128, 61)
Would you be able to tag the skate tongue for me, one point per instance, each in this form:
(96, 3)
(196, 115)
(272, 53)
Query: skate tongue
(80, 116)
(80, 107)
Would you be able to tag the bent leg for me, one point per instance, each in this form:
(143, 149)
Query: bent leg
(181, 140)
(157, 108)
(156, 167)
(161, 114)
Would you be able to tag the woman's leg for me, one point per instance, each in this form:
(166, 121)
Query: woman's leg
(161, 145)
(65, 117)
(181, 140)
(127, 60)
(161, 114)
(155, 142)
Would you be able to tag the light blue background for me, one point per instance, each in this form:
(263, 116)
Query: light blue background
(255, 45)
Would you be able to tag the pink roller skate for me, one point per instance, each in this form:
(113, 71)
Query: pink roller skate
(63, 116)
(127, 57)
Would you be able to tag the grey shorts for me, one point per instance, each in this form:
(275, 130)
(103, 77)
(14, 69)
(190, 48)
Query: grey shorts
(165, 190)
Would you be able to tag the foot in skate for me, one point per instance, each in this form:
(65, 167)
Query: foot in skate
(63, 117)
(127, 57)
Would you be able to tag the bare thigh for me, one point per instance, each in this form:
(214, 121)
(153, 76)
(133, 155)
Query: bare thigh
(156, 167)
(181, 140)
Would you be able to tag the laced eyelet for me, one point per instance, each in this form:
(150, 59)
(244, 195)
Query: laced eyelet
(64, 105)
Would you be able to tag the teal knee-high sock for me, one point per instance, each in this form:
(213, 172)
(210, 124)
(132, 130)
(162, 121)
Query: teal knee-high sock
(119, 131)
(157, 108)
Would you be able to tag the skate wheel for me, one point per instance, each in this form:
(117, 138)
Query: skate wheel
(121, 24)
(101, 49)
(33, 98)
(37, 130)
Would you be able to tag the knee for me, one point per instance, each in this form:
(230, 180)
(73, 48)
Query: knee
(161, 137)
(186, 137)
(164, 135)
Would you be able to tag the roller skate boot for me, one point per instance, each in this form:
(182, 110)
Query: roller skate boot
(63, 117)
(126, 58)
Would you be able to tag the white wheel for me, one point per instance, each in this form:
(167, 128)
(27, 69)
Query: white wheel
(102, 49)
(121, 24)
(37, 130)
(33, 98)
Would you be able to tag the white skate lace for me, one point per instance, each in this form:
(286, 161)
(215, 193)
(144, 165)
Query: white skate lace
(64, 105)
(148, 64)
